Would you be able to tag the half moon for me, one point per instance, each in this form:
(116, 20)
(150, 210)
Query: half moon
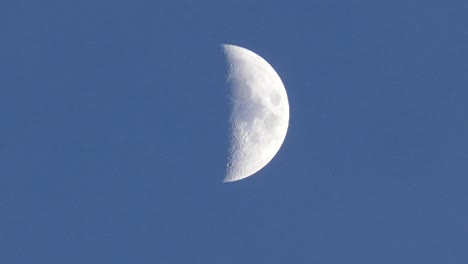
(259, 116)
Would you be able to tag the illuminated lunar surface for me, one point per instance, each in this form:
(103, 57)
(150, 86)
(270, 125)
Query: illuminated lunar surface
(259, 112)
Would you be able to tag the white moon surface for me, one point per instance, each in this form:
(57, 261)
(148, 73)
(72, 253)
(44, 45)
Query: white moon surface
(259, 112)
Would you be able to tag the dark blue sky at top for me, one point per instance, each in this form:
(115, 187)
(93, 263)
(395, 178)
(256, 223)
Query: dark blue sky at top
(114, 120)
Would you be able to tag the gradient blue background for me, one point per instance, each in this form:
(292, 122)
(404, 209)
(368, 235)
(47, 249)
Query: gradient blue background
(113, 133)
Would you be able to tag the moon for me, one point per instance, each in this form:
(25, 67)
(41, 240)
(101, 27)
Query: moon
(259, 116)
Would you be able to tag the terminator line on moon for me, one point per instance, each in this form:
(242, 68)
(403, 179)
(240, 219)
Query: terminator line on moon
(259, 112)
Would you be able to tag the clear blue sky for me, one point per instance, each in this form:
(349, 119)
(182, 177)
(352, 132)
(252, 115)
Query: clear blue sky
(113, 133)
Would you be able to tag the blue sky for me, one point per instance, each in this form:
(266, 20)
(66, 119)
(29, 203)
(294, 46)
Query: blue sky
(114, 120)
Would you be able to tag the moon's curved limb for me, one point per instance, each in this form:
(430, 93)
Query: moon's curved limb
(259, 112)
